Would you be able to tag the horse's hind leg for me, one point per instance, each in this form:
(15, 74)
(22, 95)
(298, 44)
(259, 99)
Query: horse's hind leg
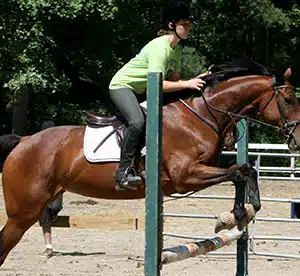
(22, 214)
(17, 224)
(10, 235)
(23, 211)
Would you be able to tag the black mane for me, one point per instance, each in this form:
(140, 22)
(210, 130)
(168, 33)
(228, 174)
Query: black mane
(223, 72)
(237, 68)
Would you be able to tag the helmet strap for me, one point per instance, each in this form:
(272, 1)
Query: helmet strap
(174, 30)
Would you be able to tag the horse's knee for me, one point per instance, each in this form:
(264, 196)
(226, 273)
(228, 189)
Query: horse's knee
(238, 177)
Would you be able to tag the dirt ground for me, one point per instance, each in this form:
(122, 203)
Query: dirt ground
(114, 252)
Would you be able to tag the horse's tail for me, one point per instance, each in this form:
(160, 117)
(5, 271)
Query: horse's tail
(7, 144)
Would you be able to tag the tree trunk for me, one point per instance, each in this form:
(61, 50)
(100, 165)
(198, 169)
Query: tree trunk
(20, 109)
(260, 44)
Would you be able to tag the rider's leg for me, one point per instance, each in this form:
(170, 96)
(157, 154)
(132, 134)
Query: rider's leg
(126, 102)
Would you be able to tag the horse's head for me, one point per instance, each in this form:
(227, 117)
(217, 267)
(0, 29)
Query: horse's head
(237, 89)
(279, 106)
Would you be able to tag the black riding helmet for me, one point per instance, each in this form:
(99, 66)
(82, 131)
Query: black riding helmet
(174, 12)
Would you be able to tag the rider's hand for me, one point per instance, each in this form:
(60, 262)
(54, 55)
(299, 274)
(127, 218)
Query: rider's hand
(203, 75)
(195, 83)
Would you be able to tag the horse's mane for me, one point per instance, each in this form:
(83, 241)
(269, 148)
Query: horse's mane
(236, 68)
(223, 72)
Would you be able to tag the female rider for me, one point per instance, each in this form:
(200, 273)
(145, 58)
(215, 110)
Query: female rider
(162, 54)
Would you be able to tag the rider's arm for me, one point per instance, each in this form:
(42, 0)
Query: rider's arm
(157, 63)
(175, 83)
(170, 85)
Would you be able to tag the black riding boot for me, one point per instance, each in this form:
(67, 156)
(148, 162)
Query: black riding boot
(126, 176)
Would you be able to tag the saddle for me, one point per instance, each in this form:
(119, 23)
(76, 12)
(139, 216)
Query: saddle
(119, 127)
(98, 121)
(95, 119)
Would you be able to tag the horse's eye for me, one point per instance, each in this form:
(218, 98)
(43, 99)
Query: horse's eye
(288, 101)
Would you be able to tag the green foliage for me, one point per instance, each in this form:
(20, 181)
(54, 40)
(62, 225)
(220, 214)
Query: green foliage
(192, 63)
(295, 17)
(262, 134)
(30, 45)
(265, 12)
(45, 45)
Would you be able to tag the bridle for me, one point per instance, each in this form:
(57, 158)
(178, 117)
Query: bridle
(287, 129)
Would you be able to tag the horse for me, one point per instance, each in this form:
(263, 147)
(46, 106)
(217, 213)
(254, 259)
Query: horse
(40, 167)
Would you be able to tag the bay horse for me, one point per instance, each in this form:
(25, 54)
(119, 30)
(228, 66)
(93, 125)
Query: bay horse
(38, 168)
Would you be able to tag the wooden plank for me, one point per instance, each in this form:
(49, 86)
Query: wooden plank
(111, 222)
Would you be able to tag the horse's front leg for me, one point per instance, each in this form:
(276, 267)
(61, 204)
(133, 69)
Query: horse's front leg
(251, 179)
(199, 176)
(246, 187)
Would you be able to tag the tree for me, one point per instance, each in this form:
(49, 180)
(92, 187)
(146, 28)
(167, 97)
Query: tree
(61, 55)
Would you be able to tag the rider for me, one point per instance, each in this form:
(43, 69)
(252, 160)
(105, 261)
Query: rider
(162, 54)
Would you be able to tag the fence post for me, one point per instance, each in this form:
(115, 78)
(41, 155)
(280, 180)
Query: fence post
(242, 158)
(154, 207)
(292, 175)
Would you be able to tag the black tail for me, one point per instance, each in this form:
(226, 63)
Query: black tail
(7, 144)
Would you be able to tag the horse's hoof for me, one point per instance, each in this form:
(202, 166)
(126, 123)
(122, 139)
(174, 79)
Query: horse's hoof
(226, 220)
(48, 253)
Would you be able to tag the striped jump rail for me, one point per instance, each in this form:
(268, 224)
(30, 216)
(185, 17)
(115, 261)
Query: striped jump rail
(182, 252)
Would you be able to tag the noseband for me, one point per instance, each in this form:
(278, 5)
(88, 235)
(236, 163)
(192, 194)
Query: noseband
(287, 127)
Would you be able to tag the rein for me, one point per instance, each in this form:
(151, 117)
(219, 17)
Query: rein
(199, 116)
(287, 127)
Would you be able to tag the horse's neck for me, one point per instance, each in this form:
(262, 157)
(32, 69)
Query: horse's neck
(234, 96)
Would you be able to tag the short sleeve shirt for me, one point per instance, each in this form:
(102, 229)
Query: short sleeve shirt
(156, 56)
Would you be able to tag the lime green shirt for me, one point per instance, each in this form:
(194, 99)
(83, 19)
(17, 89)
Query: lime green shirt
(156, 56)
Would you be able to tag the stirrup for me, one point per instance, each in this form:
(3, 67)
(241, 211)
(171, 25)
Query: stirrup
(130, 181)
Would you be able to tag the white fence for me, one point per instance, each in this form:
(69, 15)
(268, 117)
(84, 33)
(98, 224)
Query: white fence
(292, 170)
(252, 234)
(277, 171)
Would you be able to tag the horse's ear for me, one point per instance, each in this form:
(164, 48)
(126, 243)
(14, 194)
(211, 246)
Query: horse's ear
(288, 73)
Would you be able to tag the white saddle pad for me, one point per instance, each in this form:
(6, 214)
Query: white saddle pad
(109, 151)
